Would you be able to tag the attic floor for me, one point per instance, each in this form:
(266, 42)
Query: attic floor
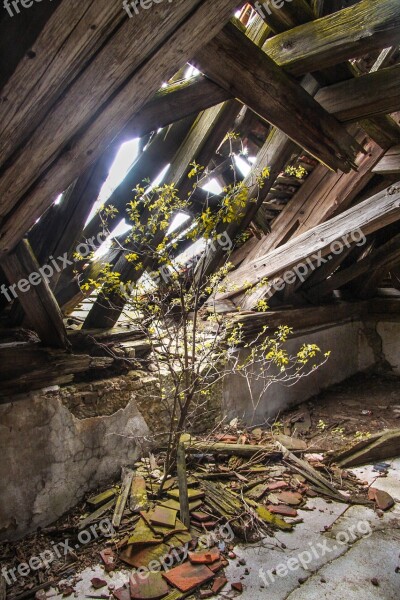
(340, 570)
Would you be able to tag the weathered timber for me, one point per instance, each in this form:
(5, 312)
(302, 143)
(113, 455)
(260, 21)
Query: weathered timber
(367, 26)
(368, 216)
(238, 65)
(389, 163)
(300, 319)
(373, 94)
(323, 195)
(379, 447)
(26, 367)
(378, 261)
(36, 298)
(138, 498)
(70, 38)
(287, 16)
(183, 484)
(246, 450)
(131, 82)
(122, 498)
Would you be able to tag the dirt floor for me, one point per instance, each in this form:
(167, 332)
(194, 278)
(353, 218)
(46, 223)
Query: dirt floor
(345, 413)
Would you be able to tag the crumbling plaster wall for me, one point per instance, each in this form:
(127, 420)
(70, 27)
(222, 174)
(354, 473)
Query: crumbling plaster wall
(389, 332)
(351, 352)
(58, 444)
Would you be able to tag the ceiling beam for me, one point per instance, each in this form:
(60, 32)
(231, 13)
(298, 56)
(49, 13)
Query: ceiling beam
(235, 63)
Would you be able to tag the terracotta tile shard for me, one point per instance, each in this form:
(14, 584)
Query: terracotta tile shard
(187, 577)
(164, 516)
(98, 583)
(286, 511)
(206, 594)
(108, 558)
(122, 593)
(200, 516)
(218, 584)
(237, 586)
(383, 500)
(204, 558)
(151, 587)
(291, 498)
(277, 485)
(192, 494)
(218, 565)
(138, 558)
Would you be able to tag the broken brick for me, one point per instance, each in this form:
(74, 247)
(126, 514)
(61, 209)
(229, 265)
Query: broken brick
(108, 558)
(218, 584)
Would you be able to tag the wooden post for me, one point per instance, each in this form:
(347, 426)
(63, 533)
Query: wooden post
(183, 487)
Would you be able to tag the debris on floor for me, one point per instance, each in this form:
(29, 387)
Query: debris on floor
(242, 485)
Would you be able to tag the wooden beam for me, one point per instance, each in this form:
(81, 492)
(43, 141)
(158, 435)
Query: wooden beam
(368, 25)
(132, 78)
(390, 163)
(373, 94)
(37, 298)
(232, 61)
(368, 216)
(285, 17)
(378, 261)
(323, 195)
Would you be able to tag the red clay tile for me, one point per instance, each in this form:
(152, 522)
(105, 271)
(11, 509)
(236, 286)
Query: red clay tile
(204, 558)
(122, 593)
(108, 558)
(237, 586)
(291, 498)
(277, 485)
(152, 586)
(218, 584)
(383, 500)
(187, 577)
(164, 516)
(286, 511)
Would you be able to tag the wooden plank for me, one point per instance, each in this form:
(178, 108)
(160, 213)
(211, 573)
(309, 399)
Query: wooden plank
(368, 216)
(36, 298)
(70, 39)
(363, 97)
(183, 486)
(389, 163)
(378, 261)
(232, 61)
(122, 499)
(368, 25)
(131, 82)
(138, 498)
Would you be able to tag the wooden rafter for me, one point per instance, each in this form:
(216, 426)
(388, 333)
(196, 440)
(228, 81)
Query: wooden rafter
(36, 298)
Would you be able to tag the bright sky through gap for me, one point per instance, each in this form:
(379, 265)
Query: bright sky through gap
(125, 158)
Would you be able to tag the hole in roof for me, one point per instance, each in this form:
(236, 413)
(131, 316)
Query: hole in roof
(212, 186)
(119, 229)
(126, 156)
(179, 218)
(242, 165)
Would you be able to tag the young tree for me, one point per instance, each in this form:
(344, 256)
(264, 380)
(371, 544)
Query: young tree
(169, 299)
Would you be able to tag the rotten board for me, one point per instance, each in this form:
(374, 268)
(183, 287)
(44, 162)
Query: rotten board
(235, 63)
(351, 32)
(138, 500)
(373, 94)
(390, 163)
(37, 299)
(369, 216)
(122, 498)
